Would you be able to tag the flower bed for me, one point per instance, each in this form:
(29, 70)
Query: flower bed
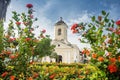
(62, 71)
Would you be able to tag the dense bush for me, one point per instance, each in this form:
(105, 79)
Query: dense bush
(60, 71)
(104, 37)
(19, 47)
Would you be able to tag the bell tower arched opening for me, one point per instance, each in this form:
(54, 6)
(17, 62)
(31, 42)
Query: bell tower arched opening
(59, 32)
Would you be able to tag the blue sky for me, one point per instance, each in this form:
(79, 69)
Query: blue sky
(72, 11)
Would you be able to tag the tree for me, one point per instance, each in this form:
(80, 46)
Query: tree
(3, 8)
(44, 48)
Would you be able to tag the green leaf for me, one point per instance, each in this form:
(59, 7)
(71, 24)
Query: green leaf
(109, 24)
(97, 22)
(93, 18)
(101, 53)
(106, 20)
(93, 28)
(103, 12)
(89, 25)
(112, 21)
(107, 15)
(112, 25)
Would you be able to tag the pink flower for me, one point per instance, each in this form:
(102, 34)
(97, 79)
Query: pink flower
(11, 39)
(31, 16)
(111, 29)
(29, 5)
(43, 31)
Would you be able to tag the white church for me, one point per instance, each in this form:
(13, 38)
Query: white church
(67, 52)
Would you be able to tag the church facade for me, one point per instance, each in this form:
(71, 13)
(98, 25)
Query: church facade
(67, 52)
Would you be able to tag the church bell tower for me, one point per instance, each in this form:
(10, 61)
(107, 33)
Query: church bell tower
(60, 30)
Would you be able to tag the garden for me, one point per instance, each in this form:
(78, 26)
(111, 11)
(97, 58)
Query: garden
(20, 50)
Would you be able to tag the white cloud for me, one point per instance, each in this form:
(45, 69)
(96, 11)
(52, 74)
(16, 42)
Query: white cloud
(43, 21)
(84, 17)
(47, 24)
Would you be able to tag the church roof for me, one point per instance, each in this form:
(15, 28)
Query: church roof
(60, 22)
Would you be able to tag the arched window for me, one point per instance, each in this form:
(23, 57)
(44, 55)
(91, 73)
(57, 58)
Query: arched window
(59, 31)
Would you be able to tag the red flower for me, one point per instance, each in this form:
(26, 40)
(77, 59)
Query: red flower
(35, 75)
(112, 68)
(4, 74)
(87, 52)
(119, 58)
(118, 32)
(43, 31)
(75, 31)
(101, 59)
(18, 23)
(12, 56)
(74, 26)
(12, 77)
(30, 78)
(8, 52)
(11, 39)
(31, 62)
(29, 5)
(94, 55)
(118, 22)
(52, 76)
(28, 39)
(112, 60)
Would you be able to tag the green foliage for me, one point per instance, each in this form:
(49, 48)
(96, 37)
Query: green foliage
(1, 35)
(1, 48)
(104, 37)
(93, 18)
(64, 71)
(44, 47)
(19, 46)
(103, 12)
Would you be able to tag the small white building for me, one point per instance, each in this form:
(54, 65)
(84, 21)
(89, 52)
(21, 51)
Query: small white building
(67, 52)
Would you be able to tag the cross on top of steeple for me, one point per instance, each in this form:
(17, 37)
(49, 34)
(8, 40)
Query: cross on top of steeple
(61, 18)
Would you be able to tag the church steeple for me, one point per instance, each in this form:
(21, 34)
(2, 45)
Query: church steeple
(60, 18)
(61, 30)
